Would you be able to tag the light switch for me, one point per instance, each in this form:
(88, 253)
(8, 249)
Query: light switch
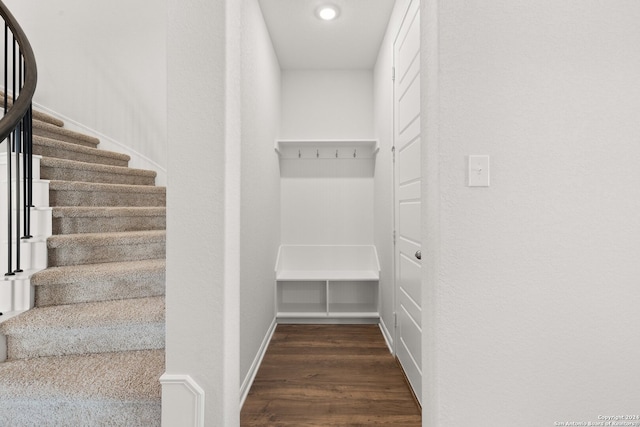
(478, 171)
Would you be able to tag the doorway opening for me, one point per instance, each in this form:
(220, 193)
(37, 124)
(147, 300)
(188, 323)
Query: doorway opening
(328, 105)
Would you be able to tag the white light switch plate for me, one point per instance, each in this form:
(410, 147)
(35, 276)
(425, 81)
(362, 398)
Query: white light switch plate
(478, 171)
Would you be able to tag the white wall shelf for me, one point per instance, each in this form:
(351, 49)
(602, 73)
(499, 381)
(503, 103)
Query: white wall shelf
(327, 149)
(331, 282)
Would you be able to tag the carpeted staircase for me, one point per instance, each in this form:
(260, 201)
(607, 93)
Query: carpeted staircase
(91, 352)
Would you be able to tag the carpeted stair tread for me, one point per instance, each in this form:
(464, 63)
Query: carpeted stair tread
(54, 148)
(96, 327)
(99, 282)
(88, 219)
(92, 272)
(103, 389)
(91, 186)
(108, 211)
(117, 312)
(49, 130)
(44, 117)
(94, 248)
(106, 239)
(37, 115)
(73, 170)
(119, 375)
(71, 412)
(70, 193)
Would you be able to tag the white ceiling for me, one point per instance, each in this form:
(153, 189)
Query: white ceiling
(302, 41)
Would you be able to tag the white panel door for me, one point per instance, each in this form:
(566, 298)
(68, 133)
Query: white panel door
(407, 197)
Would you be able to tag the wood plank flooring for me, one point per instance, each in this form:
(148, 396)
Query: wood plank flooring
(329, 375)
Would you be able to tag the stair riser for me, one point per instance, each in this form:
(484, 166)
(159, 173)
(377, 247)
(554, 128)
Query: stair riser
(33, 255)
(73, 293)
(107, 224)
(82, 254)
(59, 342)
(15, 295)
(58, 153)
(64, 174)
(105, 198)
(35, 163)
(39, 196)
(40, 222)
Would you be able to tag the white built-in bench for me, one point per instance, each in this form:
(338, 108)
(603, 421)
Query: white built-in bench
(316, 283)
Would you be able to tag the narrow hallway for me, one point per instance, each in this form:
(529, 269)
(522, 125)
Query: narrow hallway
(324, 375)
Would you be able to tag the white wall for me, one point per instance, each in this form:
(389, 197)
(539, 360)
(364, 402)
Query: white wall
(327, 210)
(537, 285)
(320, 104)
(325, 201)
(383, 200)
(203, 210)
(260, 191)
(103, 65)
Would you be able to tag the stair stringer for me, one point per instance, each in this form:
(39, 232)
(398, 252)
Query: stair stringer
(16, 291)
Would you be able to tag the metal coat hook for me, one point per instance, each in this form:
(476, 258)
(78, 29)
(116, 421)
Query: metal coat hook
(354, 153)
(299, 154)
(318, 153)
(336, 154)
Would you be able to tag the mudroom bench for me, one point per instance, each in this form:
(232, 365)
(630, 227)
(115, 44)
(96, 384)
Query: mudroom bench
(327, 284)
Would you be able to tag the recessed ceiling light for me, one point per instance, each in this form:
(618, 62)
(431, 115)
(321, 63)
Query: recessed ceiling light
(327, 12)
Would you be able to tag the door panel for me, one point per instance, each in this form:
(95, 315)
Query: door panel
(411, 337)
(409, 104)
(410, 191)
(409, 156)
(408, 207)
(411, 291)
(410, 220)
(411, 307)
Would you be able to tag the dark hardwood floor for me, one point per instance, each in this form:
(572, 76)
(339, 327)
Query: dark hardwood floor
(329, 375)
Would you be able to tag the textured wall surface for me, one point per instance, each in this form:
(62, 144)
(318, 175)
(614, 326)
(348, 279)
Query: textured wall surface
(537, 291)
(260, 191)
(103, 68)
(203, 204)
(327, 104)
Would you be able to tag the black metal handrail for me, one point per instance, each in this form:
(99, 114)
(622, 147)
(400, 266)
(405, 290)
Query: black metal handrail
(20, 78)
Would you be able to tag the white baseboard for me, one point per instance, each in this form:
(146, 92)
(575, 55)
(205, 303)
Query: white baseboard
(138, 160)
(251, 375)
(388, 338)
(182, 401)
